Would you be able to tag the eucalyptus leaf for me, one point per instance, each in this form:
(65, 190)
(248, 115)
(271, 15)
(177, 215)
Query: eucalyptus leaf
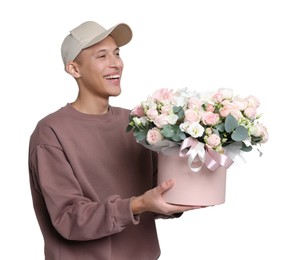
(245, 148)
(129, 128)
(240, 133)
(178, 111)
(220, 127)
(140, 135)
(230, 123)
(167, 131)
(178, 135)
(216, 132)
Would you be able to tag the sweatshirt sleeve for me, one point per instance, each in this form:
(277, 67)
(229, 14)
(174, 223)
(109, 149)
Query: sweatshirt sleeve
(74, 215)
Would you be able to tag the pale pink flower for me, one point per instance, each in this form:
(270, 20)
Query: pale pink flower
(226, 93)
(163, 94)
(217, 97)
(210, 118)
(138, 111)
(250, 112)
(166, 109)
(230, 108)
(237, 114)
(241, 103)
(161, 120)
(209, 107)
(198, 115)
(259, 130)
(154, 136)
(152, 113)
(194, 103)
(253, 101)
(222, 94)
(227, 109)
(191, 116)
(213, 140)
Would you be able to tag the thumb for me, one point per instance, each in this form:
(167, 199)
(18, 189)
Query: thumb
(166, 185)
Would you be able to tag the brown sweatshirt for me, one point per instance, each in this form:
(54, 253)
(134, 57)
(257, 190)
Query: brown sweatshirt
(84, 169)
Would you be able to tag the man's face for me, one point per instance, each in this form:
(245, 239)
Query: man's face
(100, 69)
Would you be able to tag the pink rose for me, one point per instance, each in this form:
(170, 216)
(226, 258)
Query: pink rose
(230, 108)
(152, 113)
(250, 112)
(163, 94)
(222, 94)
(209, 107)
(237, 114)
(226, 93)
(154, 136)
(191, 116)
(213, 140)
(137, 111)
(241, 103)
(227, 109)
(259, 130)
(166, 108)
(253, 101)
(194, 103)
(161, 120)
(210, 118)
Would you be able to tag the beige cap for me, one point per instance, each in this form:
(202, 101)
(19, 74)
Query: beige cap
(90, 33)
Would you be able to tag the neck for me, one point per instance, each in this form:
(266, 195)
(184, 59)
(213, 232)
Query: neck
(92, 107)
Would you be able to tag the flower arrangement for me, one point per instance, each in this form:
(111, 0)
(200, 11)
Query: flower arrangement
(215, 120)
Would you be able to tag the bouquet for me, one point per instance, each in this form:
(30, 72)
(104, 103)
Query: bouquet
(204, 126)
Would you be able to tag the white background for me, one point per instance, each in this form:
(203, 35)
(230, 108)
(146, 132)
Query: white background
(250, 46)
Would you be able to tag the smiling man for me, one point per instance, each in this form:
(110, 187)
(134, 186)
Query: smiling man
(93, 186)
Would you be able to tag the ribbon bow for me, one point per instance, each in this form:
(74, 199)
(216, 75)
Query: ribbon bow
(196, 150)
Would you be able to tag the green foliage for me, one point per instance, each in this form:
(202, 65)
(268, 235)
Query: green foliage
(239, 134)
(179, 111)
(129, 128)
(230, 131)
(140, 135)
(173, 132)
(162, 108)
(220, 127)
(245, 148)
(230, 123)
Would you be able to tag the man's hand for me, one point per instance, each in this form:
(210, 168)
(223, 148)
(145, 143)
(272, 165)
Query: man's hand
(152, 201)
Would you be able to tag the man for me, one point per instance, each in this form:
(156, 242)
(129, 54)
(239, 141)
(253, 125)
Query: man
(93, 186)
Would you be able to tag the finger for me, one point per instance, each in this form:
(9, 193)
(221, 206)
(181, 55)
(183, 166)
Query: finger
(164, 186)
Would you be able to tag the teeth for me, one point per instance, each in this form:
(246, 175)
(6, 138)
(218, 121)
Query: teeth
(112, 77)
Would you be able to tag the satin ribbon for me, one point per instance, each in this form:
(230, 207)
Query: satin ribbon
(197, 151)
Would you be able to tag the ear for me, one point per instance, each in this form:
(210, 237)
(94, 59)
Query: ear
(72, 69)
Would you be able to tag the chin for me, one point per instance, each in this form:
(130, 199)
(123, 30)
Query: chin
(115, 92)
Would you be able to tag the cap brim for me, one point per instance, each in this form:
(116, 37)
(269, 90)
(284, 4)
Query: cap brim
(121, 33)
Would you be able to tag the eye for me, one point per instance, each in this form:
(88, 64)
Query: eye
(101, 56)
(117, 52)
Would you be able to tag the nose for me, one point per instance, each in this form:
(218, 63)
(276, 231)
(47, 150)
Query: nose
(115, 61)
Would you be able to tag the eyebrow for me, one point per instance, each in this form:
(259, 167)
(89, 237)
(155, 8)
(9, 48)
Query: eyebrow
(105, 50)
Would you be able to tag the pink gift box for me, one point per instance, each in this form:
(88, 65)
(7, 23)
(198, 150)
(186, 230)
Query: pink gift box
(203, 188)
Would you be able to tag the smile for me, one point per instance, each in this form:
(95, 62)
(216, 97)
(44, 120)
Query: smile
(112, 76)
